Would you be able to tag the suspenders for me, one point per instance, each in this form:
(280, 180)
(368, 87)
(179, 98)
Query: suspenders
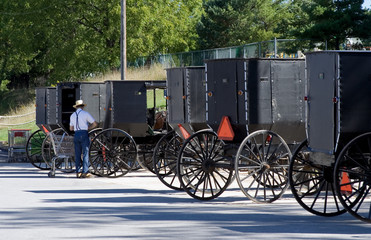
(77, 120)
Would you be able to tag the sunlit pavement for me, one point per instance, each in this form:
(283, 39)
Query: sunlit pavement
(139, 206)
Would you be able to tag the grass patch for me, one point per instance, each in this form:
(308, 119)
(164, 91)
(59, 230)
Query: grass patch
(15, 101)
(4, 131)
(155, 72)
(21, 109)
(160, 99)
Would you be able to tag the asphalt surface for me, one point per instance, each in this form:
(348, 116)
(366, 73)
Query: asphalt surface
(139, 206)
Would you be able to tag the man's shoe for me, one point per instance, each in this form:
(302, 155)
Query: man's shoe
(86, 175)
(79, 175)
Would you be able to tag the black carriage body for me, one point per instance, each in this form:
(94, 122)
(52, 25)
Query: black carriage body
(186, 98)
(339, 98)
(257, 94)
(46, 108)
(92, 93)
(126, 107)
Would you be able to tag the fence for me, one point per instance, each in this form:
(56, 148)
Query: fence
(282, 48)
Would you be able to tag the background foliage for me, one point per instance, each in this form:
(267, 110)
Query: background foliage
(46, 41)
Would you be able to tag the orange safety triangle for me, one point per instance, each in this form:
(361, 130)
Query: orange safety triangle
(225, 131)
(346, 187)
(184, 132)
(45, 130)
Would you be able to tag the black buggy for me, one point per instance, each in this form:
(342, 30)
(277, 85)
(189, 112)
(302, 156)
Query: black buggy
(60, 103)
(249, 103)
(330, 172)
(129, 128)
(46, 121)
(185, 94)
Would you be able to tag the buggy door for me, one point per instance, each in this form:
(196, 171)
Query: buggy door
(51, 106)
(321, 75)
(90, 93)
(40, 105)
(221, 77)
(175, 92)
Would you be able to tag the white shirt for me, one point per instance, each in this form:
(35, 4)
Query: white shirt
(84, 119)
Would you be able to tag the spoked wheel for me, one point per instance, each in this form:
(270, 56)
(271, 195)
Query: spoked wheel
(92, 133)
(48, 153)
(144, 157)
(261, 166)
(352, 177)
(136, 166)
(112, 153)
(165, 158)
(203, 170)
(34, 150)
(312, 184)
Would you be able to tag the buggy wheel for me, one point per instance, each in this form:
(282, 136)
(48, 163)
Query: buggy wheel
(48, 153)
(352, 177)
(136, 166)
(312, 184)
(261, 166)
(34, 150)
(92, 133)
(165, 158)
(145, 157)
(112, 153)
(203, 170)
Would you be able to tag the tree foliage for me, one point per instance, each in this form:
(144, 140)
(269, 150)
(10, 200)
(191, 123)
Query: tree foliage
(52, 40)
(45, 41)
(331, 20)
(236, 22)
(156, 27)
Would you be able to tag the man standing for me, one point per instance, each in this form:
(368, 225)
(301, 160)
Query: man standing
(80, 122)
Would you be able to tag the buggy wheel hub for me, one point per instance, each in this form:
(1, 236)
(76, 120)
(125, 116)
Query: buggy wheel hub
(266, 166)
(328, 175)
(208, 165)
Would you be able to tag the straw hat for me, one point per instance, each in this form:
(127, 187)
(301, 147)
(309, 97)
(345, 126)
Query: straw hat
(79, 103)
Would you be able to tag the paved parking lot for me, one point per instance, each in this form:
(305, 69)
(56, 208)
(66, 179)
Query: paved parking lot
(139, 206)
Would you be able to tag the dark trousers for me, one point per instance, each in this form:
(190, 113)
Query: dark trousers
(82, 142)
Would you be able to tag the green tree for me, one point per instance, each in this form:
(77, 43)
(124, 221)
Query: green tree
(51, 40)
(156, 27)
(57, 41)
(235, 22)
(332, 21)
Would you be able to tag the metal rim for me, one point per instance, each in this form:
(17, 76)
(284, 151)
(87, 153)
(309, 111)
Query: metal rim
(261, 166)
(34, 150)
(312, 184)
(202, 168)
(165, 158)
(352, 177)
